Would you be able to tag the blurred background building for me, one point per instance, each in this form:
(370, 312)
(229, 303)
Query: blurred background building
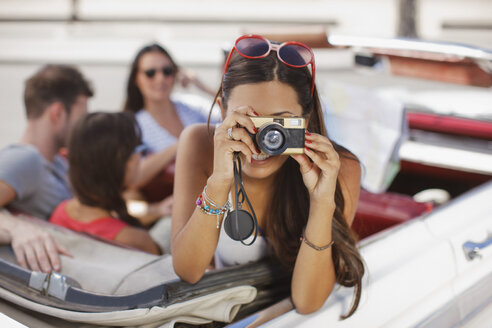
(102, 36)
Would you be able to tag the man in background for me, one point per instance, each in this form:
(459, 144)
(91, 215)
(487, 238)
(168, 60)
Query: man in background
(33, 175)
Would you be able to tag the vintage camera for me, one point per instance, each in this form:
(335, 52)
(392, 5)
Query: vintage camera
(279, 135)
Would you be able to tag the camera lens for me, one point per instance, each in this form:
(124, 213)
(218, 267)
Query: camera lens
(273, 140)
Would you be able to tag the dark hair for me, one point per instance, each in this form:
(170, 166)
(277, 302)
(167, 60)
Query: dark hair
(134, 99)
(54, 83)
(289, 208)
(100, 145)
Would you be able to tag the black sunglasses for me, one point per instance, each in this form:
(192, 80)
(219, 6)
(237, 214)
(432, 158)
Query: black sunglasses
(166, 71)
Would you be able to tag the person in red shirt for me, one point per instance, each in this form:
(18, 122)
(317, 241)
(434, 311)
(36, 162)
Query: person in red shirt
(104, 155)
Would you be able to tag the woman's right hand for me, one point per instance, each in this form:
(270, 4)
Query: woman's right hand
(224, 146)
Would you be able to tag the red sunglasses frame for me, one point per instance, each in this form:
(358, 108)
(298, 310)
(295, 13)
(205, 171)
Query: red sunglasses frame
(275, 47)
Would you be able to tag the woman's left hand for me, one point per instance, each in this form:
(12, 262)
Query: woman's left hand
(186, 77)
(321, 174)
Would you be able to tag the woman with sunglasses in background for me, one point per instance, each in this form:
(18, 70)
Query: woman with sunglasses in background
(104, 155)
(161, 115)
(304, 203)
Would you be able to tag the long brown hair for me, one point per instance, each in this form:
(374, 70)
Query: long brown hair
(134, 98)
(100, 145)
(289, 207)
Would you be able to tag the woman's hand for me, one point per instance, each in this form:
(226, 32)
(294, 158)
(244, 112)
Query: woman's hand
(188, 78)
(237, 140)
(165, 206)
(321, 174)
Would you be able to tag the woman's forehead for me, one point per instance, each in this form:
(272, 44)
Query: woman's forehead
(266, 98)
(153, 58)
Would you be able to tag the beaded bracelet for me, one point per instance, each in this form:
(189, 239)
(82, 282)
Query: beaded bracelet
(310, 244)
(209, 207)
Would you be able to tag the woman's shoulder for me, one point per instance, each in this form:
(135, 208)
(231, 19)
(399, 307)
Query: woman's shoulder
(194, 109)
(349, 162)
(60, 214)
(191, 102)
(196, 147)
(143, 116)
(350, 170)
(146, 121)
(198, 136)
(349, 177)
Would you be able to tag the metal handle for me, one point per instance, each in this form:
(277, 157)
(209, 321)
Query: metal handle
(472, 249)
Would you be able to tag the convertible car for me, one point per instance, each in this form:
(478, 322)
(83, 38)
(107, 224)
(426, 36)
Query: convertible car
(432, 271)
(428, 260)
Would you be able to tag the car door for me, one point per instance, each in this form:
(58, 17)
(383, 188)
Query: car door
(467, 227)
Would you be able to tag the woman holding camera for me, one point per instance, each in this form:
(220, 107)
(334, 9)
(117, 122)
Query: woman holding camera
(304, 203)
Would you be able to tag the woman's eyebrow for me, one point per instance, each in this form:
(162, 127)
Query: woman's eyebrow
(284, 112)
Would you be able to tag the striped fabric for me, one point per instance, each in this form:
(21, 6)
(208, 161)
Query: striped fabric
(191, 109)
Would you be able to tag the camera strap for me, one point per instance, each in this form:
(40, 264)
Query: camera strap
(240, 224)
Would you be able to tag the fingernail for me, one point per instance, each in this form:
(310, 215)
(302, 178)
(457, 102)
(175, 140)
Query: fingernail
(306, 148)
(256, 113)
(256, 130)
(257, 150)
(307, 133)
(308, 141)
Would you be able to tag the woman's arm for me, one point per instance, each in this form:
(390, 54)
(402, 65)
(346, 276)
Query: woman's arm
(138, 238)
(194, 234)
(188, 77)
(152, 164)
(148, 213)
(314, 273)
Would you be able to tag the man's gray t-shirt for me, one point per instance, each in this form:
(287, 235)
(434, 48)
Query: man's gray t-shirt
(39, 185)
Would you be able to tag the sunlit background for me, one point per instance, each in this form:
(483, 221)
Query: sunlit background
(102, 36)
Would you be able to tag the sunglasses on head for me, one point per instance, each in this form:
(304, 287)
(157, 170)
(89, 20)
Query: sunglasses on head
(166, 71)
(291, 53)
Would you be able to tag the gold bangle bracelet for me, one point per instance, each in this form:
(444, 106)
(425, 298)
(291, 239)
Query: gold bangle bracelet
(310, 244)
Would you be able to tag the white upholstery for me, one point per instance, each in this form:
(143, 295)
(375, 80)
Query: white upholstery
(108, 269)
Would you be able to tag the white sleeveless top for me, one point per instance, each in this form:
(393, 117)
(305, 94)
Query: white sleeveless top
(231, 252)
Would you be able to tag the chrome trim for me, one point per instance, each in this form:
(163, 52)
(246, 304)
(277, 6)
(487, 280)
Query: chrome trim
(448, 49)
(472, 249)
(53, 284)
(446, 157)
(58, 286)
(38, 281)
